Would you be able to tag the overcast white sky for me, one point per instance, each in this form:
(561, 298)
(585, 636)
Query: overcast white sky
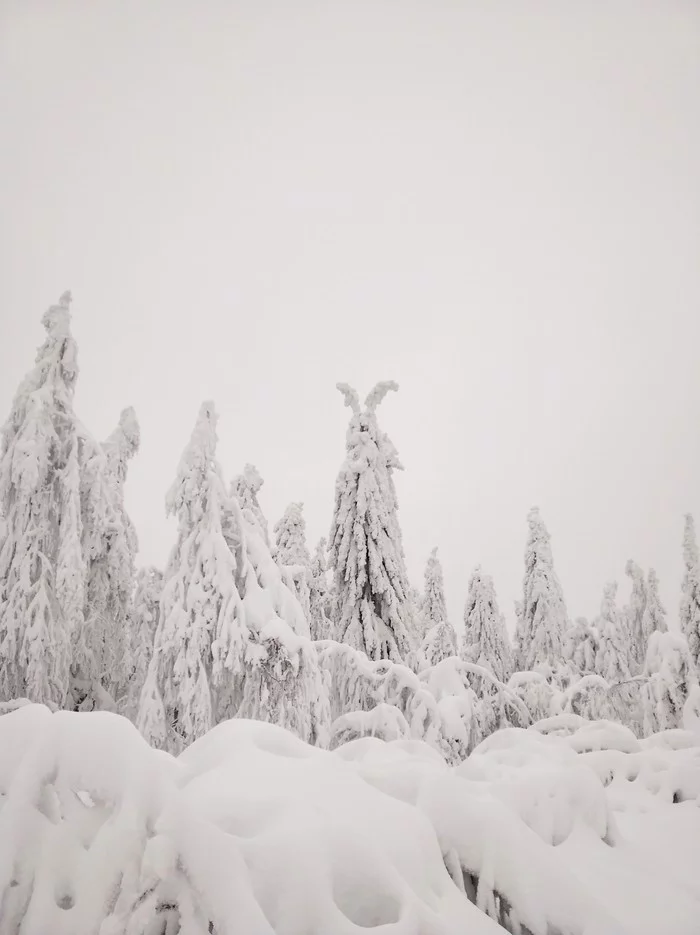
(495, 204)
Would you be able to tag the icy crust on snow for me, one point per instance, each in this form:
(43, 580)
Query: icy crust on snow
(250, 830)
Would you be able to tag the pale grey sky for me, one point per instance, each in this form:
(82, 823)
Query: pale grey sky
(495, 204)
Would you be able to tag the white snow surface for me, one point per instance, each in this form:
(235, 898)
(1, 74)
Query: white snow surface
(569, 827)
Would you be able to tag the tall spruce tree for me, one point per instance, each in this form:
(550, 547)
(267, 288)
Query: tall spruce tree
(320, 621)
(439, 641)
(690, 600)
(654, 617)
(634, 613)
(142, 624)
(612, 658)
(542, 620)
(101, 660)
(199, 600)
(232, 639)
(366, 554)
(485, 639)
(42, 567)
(292, 553)
(245, 488)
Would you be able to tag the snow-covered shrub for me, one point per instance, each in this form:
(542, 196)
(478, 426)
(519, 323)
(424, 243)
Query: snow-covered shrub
(670, 675)
(537, 694)
(588, 698)
(384, 721)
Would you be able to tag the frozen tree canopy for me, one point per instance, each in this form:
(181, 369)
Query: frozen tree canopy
(101, 650)
(291, 552)
(542, 620)
(199, 602)
(232, 638)
(439, 640)
(257, 741)
(245, 488)
(320, 608)
(42, 567)
(485, 638)
(670, 677)
(581, 645)
(612, 660)
(654, 617)
(690, 602)
(366, 554)
(635, 614)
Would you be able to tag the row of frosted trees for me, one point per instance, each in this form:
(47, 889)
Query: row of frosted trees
(244, 624)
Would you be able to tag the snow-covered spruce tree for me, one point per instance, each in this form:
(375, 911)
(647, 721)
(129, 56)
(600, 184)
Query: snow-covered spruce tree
(199, 604)
(142, 624)
(245, 487)
(542, 620)
(232, 639)
(42, 568)
(654, 612)
(292, 554)
(581, 644)
(485, 639)
(440, 639)
(101, 661)
(414, 617)
(319, 595)
(612, 658)
(690, 601)
(366, 554)
(634, 612)
(282, 682)
(433, 604)
(670, 677)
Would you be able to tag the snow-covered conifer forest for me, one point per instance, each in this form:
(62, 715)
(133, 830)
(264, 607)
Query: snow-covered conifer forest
(269, 735)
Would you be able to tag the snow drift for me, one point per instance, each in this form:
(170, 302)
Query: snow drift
(575, 828)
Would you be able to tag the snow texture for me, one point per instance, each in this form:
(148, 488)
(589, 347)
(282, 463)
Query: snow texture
(570, 827)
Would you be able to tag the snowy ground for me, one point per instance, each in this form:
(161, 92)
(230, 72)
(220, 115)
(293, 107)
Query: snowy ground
(571, 827)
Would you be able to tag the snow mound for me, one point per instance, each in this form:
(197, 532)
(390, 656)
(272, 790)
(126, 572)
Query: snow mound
(251, 830)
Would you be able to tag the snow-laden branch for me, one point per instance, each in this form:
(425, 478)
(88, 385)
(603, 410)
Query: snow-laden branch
(352, 400)
(375, 397)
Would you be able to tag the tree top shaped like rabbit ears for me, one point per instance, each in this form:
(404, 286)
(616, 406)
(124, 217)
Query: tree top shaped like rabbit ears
(373, 399)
